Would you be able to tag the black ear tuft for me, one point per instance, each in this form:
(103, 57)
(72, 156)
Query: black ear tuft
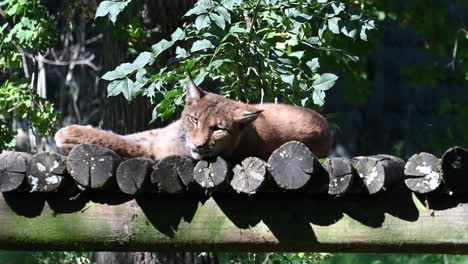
(193, 92)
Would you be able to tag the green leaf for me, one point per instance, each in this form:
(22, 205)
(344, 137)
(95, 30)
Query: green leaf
(349, 29)
(325, 81)
(114, 88)
(219, 21)
(181, 52)
(111, 8)
(333, 25)
(321, 30)
(202, 22)
(120, 72)
(224, 13)
(143, 59)
(338, 8)
(237, 29)
(197, 10)
(319, 97)
(125, 86)
(178, 34)
(287, 78)
(363, 34)
(313, 64)
(200, 78)
(161, 46)
(201, 45)
(297, 54)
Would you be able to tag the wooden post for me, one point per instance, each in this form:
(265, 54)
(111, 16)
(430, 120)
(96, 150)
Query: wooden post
(133, 175)
(423, 173)
(249, 176)
(213, 175)
(341, 173)
(13, 166)
(46, 172)
(380, 172)
(165, 176)
(93, 166)
(292, 165)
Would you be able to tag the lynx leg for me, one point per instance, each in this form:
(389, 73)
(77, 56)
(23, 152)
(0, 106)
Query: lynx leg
(68, 137)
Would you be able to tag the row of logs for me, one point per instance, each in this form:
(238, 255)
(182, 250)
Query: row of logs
(292, 167)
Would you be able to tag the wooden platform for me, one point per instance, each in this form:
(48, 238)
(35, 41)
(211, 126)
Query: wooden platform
(395, 221)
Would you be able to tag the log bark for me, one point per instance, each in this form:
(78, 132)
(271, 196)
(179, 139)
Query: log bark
(423, 173)
(165, 177)
(46, 172)
(380, 172)
(13, 166)
(250, 176)
(292, 165)
(133, 175)
(454, 168)
(213, 175)
(93, 166)
(341, 174)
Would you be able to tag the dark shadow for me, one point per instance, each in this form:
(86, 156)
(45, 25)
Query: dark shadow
(241, 209)
(66, 203)
(442, 201)
(107, 197)
(165, 212)
(370, 209)
(25, 204)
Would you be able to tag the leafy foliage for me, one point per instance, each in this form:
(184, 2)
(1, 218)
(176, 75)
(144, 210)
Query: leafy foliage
(18, 102)
(257, 50)
(26, 28)
(70, 257)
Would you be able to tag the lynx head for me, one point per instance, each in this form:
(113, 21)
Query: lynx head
(213, 124)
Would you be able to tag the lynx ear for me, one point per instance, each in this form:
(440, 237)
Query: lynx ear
(247, 117)
(194, 93)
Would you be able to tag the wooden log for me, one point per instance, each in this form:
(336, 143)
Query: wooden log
(250, 176)
(423, 173)
(341, 175)
(292, 165)
(213, 175)
(166, 175)
(13, 166)
(380, 172)
(93, 166)
(133, 175)
(455, 169)
(283, 223)
(46, 172)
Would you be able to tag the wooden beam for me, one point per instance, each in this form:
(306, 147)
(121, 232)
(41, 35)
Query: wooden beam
(394, 221)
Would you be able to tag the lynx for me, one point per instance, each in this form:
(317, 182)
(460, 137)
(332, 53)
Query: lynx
(212, 125)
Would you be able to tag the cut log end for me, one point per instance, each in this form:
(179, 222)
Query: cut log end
(13, 167)
(212, 175)
(454, 168)
(46, 172)
(341, 174)
(133, 175)
(423, 173)
(92, 166)
(291, 165)
(249, 176)
(165, 176)
(379, 172)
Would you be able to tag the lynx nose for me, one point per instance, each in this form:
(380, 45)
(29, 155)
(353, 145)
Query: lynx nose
(200, 146)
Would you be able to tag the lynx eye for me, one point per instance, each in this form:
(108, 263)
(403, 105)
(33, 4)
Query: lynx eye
(193, 120)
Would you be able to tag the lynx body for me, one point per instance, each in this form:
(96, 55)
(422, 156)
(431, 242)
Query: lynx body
(212, 125)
